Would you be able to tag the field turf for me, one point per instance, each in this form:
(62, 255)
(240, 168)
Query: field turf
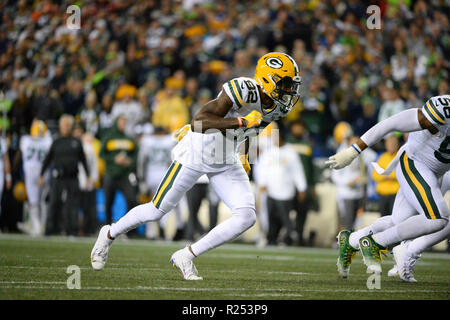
(139, 269)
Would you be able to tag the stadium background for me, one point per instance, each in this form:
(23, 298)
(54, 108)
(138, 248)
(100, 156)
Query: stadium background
(170, 56)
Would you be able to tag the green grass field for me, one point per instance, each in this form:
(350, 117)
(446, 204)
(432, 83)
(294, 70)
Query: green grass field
(139, 269)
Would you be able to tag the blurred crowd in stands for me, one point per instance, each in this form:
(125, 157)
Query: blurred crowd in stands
(156, 63)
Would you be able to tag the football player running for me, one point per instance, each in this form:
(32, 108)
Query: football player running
(419, 208)
(243, 108)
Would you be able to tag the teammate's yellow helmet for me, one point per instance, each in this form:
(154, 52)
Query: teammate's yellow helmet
(342, 131)
(38, 128)
(278, 75)
(19, 192)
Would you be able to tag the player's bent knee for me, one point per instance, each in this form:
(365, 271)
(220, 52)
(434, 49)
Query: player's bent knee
(436, 225)
(247, 215)
(147, 212)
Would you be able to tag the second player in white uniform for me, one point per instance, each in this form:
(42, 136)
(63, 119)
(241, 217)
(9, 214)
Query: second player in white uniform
(243, 107)
(34, 148)
(419, 208)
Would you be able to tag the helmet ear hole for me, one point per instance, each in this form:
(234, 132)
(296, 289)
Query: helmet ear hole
(265, 80)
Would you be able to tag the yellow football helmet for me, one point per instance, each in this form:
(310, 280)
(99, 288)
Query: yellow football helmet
(38, 128)
(342, 131)
(278, 76)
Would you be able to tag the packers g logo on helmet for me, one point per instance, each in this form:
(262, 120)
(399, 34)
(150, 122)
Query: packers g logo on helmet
(274, 63)
(278, 75)
(38, 128)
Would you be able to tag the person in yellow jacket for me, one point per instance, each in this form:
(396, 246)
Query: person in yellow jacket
(387, 185)
(171, 111)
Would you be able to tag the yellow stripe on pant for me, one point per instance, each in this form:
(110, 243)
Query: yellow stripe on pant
(166, 183)
(419, 187)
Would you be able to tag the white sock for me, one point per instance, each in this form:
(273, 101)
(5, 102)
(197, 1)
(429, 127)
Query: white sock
(379, 225)
(355, 236)
(241, 220)
(420, 244)
(411, 228)
(188, 253)
(135, 217)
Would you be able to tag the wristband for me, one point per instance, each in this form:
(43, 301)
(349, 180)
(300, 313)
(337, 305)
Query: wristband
(355, 146)
(8, 177)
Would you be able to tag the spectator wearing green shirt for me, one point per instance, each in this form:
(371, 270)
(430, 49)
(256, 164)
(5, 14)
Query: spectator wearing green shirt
(120, 154)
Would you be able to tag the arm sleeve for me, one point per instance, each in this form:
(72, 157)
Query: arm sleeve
(405, 121)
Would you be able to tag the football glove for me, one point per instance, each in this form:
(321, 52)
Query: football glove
(245, 163)
(180, 133)
(343, 158)
(253, 119)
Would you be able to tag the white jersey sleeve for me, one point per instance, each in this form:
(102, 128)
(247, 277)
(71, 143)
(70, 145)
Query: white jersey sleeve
(235, 92)
(437, 111)
(244, 94)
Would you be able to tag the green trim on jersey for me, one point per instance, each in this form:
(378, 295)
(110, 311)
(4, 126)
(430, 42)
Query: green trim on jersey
(433, 113)
(435, 109)
(239, 89)
(236, 100)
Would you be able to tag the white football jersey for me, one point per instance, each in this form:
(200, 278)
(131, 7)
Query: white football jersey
(155, 152)
(213, 152)
(433, 150)
(34, 150)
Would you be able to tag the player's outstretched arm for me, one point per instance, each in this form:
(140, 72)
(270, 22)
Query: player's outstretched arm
(405, 121)
(211, 116)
